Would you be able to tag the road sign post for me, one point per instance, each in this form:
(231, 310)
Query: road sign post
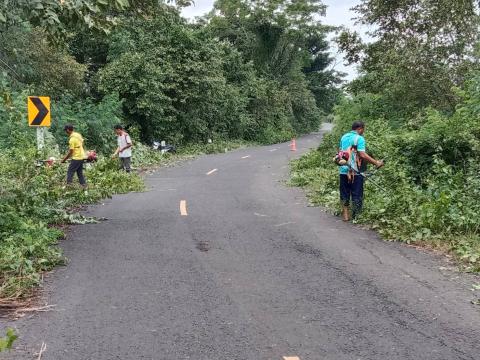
(39, 117)
(40, 138)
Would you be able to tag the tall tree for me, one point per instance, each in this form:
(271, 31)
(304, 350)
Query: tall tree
(282, 37)
(276, 34)
(30, 59)
(421, 49)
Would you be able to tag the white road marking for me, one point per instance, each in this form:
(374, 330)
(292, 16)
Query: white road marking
(260, 215)
(183, 208)
(212, 171)
(246, 157)
(291, 358)
(272, 150)
(283, 224)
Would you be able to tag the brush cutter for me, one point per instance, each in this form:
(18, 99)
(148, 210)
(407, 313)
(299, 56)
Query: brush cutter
(367, 175)
(91, 158)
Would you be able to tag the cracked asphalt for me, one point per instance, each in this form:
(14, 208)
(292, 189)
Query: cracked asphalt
(243, 269)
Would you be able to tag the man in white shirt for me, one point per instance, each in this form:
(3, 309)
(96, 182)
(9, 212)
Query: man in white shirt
(124, 149)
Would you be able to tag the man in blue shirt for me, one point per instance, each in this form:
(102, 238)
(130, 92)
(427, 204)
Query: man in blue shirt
(351, 182)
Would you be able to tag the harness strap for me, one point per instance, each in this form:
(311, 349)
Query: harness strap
(355, 161)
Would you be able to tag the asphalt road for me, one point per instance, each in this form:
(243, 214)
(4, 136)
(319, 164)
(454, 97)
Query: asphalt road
(220, 260)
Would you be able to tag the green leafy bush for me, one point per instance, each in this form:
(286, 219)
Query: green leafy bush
(6, 342)
(95, 121)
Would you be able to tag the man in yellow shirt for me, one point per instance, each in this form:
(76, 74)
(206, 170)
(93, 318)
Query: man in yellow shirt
(76, 152)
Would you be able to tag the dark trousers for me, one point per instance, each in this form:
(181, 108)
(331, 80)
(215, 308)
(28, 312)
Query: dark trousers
(76, 166)
(125, 163)
(352, 191)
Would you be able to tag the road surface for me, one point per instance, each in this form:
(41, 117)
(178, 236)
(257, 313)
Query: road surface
(220, 260)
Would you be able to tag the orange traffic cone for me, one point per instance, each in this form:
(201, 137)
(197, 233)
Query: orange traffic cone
(293, 145)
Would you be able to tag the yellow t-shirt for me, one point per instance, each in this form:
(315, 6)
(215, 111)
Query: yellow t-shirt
(75, 143)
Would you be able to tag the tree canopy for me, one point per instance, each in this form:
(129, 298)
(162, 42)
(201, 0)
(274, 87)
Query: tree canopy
(421, 49)
(255, 70)
(56, 16)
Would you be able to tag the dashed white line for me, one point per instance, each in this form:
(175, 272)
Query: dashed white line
(246, 157)
(272, 150)
(212, 171)
(286, 223)
(291, 358)
(260, 215)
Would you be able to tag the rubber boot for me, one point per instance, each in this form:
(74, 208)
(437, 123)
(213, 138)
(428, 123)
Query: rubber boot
(356, 209)
(345, 214)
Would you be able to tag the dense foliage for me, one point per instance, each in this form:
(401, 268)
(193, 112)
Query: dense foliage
(419, 95)
(286, 42)
(58, 17)
(173, 83)
(190, 83)
(421, 49)
(177, 81)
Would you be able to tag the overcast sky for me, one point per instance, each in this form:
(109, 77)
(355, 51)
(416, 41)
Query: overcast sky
(338, 13)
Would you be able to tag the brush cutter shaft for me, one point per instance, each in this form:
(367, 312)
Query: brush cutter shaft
(368, 176)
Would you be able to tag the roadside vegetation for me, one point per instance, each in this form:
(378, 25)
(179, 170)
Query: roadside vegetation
(419, 94)
(6, 342)
(250, 72)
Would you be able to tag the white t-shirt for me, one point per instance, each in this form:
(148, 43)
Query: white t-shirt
(123, 140)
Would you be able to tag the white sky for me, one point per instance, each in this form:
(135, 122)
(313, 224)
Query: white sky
(338, 13)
